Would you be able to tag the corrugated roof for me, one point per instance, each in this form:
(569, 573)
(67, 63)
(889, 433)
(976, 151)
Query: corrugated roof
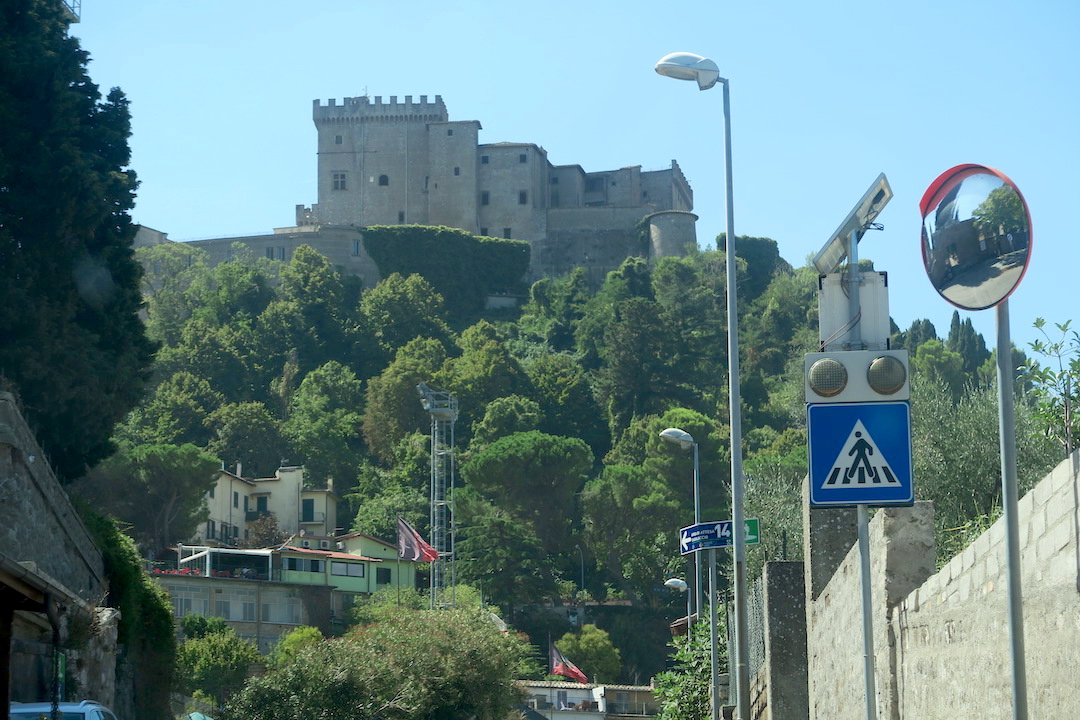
(325, 553)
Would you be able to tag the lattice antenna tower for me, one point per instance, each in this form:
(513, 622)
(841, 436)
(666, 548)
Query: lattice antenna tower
(443, 408)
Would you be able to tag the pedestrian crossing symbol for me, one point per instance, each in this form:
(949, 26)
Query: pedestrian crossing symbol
(860, 454)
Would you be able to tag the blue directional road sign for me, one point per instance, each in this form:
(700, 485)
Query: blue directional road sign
(860, 454)
(715, 534)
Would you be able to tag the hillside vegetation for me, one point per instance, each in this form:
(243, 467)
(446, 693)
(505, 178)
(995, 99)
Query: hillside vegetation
(562, 472)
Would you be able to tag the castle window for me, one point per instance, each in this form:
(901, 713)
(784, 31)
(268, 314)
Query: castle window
(523, 158)
(337, 139)
(485, 198)
(483, 231)
(401, 216)
(523, 197)
(355, 247)
(270, 253)
(450, 131)
(484, 159)
(457, 171)
(384, 180)
(340, 181)
(555, 180)
(506, 232)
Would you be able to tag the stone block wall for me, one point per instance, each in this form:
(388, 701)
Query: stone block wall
(941, 641)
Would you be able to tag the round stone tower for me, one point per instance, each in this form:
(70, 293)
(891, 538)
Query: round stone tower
(670, 231)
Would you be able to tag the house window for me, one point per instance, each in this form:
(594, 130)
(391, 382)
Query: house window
(339, 181)
(485, 198)
(382, 576)
(457, 171)
(522, 158)
(384, 180)
(307, 512)
(236, 499)
(506, 232)
(355, 247)
(212, 492)
(245, 503)
(523, 197)
(210, 529)
(347, 569)
(260, 503)
(305, 564)
(484, 159)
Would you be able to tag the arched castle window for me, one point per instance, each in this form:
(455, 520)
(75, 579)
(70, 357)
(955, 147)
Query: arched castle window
(384, 179)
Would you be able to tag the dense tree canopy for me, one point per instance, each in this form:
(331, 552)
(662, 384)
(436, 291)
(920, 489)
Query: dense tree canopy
(73, 347)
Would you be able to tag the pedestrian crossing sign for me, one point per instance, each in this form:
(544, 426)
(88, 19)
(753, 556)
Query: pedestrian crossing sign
(860, 454)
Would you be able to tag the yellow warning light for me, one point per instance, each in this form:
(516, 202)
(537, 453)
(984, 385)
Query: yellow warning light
(886, 375)
(827, 377)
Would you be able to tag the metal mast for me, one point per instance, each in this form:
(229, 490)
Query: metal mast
(443, 409)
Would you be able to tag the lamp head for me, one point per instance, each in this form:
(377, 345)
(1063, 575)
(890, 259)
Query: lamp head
(688, 66)
(675, 436)
(676, 584)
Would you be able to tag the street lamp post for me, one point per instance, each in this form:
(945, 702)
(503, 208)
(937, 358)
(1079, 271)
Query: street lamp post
(688, 66)
(685, 441)
(680, 585)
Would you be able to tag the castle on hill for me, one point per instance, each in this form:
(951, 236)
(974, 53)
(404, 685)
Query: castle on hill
(406, 163)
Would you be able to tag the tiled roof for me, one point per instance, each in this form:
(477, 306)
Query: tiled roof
(326, 553)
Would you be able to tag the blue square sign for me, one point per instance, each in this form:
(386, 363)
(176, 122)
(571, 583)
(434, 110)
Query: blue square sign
(860, 454)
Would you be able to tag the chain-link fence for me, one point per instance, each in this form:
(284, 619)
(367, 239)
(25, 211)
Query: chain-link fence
(755, 634)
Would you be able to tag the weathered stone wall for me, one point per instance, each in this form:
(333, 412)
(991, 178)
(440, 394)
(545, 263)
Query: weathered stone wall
(45, 546)
(941, 639)
(37, 521)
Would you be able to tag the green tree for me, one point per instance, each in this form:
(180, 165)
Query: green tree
(506, 416)
(158, 489)
(393, 409)
(684, 691)
(73, 345)
(400, 309)
(174, 413)
(247, 433)
(170, 270)
(324, 426)
(198, 626)
(628, 518)
(216, 663)
(592, 651)
(291, 643)
(535, 477)
(561, 388)
(940, 365)
(1056, 383)
(500, 553)
(411, 664)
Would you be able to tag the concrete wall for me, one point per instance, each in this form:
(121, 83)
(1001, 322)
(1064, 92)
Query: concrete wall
(941, 639)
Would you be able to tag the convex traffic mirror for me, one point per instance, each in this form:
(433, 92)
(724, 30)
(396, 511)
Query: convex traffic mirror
(976, 236)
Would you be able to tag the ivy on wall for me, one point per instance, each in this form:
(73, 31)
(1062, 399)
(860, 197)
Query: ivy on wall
(146, 624)
(462, 267)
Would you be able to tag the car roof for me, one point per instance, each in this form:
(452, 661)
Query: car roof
(33, 706)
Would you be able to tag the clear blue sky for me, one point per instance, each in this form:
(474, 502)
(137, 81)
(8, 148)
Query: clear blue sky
(824, 97)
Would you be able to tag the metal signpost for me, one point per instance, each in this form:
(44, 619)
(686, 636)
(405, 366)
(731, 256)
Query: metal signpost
(858, 421)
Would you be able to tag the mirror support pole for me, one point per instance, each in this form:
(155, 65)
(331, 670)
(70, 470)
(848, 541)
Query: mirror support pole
(1007, 434)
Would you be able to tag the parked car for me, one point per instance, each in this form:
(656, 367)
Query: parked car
(85, 710)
